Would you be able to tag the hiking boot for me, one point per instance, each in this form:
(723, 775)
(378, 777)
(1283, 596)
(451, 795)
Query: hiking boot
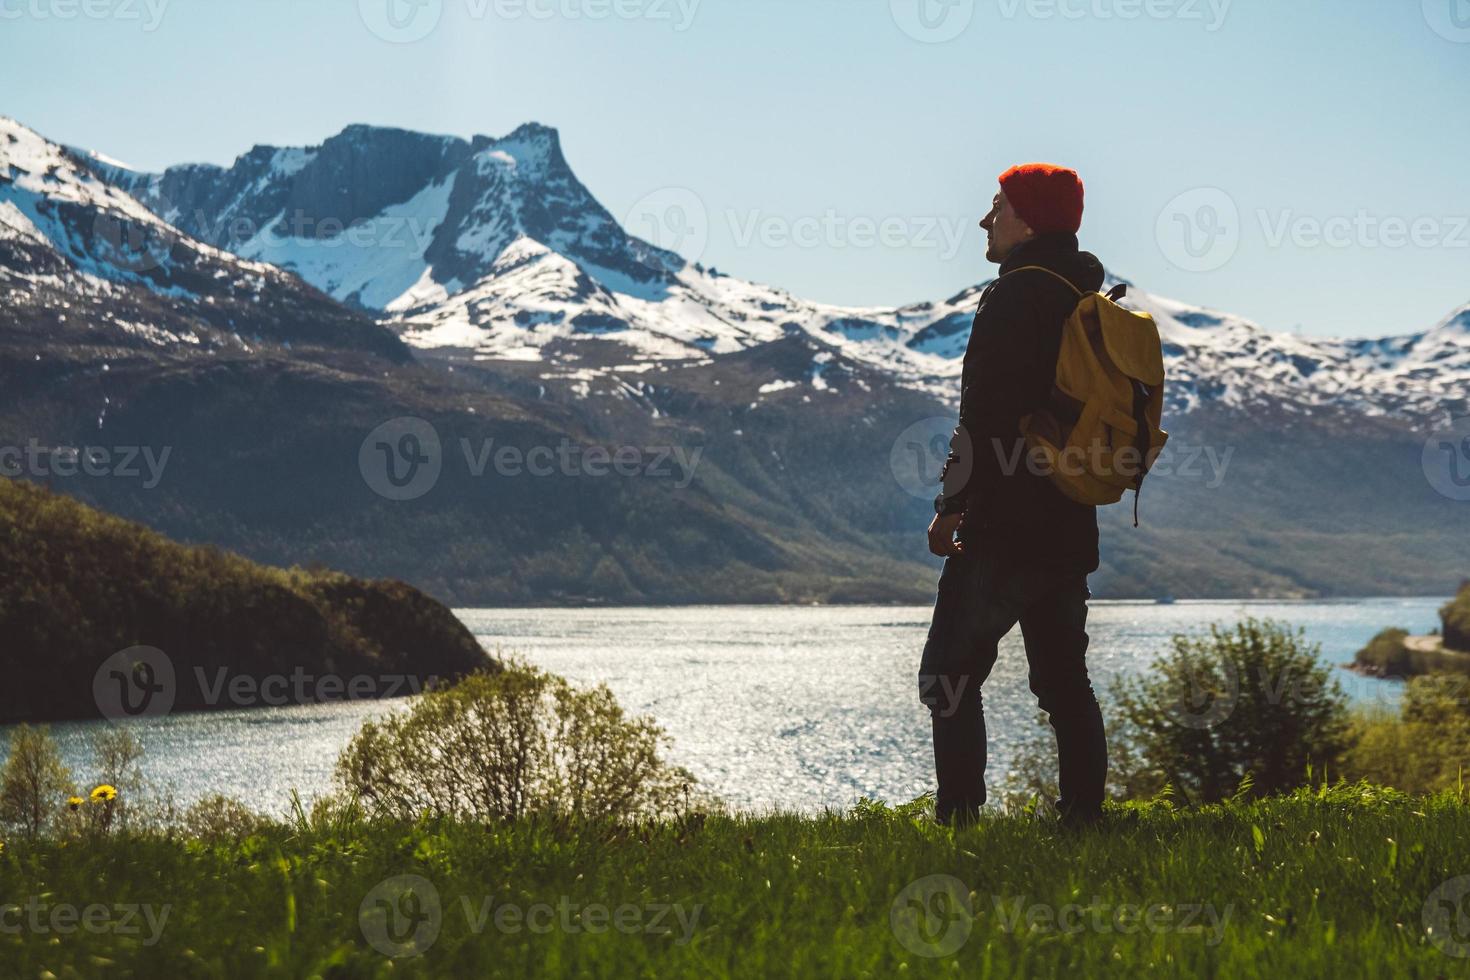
(1079, 817)
(959, 817)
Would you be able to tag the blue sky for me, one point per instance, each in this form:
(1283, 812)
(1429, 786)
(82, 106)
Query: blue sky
(1302, 164)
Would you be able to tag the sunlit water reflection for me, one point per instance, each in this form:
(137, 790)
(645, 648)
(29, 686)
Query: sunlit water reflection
(792, 707)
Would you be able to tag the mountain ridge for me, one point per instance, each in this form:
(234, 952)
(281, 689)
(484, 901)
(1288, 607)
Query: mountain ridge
(809, 417)
(517, 253)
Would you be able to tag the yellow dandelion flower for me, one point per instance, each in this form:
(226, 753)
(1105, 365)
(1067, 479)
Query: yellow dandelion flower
(75, 802)
(104, 794)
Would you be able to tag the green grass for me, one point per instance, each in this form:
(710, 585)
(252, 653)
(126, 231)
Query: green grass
(1320, 884)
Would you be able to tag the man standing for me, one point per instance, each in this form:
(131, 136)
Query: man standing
(1016, 549)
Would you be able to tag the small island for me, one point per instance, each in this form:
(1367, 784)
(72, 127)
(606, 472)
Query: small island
(84, 595)
(1397, 654)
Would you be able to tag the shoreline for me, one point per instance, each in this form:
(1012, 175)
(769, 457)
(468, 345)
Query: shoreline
(928, 602)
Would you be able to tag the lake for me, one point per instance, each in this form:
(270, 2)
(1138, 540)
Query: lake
(789, 707)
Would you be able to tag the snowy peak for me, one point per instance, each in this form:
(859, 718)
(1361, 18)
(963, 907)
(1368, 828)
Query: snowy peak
(532, 149)
(389, 220)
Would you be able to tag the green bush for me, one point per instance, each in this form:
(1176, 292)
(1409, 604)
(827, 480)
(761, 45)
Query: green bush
(220, 819)
(1426, 747)
(1250, 705)
(504, 745)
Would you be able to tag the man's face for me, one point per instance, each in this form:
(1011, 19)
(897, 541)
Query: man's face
(1004, 229)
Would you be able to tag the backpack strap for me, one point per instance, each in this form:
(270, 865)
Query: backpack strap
(1143, 441)
(1114, 294)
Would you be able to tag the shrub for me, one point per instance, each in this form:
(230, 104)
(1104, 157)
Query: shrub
(35, 783)
(1426, 748)
(1254, 700)
(217, 819)
(1385, 655)
(504, 745)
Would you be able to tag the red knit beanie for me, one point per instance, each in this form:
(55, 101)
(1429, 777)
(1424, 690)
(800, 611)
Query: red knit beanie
(1047, 197)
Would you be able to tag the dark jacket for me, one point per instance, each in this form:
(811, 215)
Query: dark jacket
(1010, 367)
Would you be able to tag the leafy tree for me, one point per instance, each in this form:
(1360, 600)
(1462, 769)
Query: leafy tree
(35, 783)
(1251, 701)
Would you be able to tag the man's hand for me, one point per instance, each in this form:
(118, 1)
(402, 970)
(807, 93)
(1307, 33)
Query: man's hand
(942, 531)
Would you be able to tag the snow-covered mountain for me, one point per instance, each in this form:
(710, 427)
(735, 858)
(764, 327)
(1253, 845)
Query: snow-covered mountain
(249, 303)
(84, 261)
(494, 246)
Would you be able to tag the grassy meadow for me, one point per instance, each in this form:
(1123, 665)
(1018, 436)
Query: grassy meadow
(1326, 882)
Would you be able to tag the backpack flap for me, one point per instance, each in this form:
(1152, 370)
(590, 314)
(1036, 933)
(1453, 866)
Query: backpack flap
(1132, 341)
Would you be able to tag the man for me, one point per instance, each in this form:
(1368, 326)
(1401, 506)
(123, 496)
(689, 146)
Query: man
(1016, 549)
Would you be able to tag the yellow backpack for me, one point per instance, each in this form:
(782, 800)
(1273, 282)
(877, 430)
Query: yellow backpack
(1100, 430)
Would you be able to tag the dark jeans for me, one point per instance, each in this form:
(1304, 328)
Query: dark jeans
(980, 599)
